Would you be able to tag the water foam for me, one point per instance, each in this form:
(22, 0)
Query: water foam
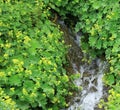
(92, 91)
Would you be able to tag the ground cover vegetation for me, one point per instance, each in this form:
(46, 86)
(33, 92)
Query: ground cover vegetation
(32, 54)
(99, 22)
(32, 50)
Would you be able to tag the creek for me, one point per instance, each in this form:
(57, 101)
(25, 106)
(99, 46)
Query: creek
(91, 74)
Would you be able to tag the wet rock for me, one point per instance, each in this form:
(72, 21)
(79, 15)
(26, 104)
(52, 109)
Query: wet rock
(94, 82)
(77, 100)
(86, 74)
(75, 54)
(86, 82)
(93, 89)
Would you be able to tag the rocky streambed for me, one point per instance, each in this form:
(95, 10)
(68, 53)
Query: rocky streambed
(91, 74)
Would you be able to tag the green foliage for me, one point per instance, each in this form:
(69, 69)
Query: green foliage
(99, 21)
(113, 99)
(32, 54)
(6, 103)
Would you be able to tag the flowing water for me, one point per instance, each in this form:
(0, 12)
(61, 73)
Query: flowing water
(91, 82)
(91, 74)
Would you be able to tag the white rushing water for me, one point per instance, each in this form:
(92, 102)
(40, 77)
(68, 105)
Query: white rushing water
(91, 82)
(90, 74)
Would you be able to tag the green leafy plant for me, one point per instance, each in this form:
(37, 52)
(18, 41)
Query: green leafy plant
(32, 54)
(6, 103)
(99, 22)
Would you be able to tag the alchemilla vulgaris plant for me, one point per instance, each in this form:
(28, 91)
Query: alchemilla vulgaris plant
(32, 50)
(99, 21)
(32, 54)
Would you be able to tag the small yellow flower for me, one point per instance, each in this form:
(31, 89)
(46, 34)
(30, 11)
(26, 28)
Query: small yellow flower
(10, 33)
(37, 83)
(29, 72)
(2, 45)
(66, 105)
(12, 89)
(0, 33)
(70, 93)
(108, 16)
(8, 45)
(66, 78)
(24, 91)
(55, 65)
(63, 41)
(111, 68)
(9, 73)
(33, 94)
(2, 74)
(87, 21)
(0, 10)
(50, 35)
(100, 106)
(7, 97)
(31, 65)
(92, 31)
(110, 97)
(44, 94)
(103, 38)
(54, 69)
(8, 101)
(5, 55)
(1, 92)
(21, 62)
(112, 13)
(26, 39)
(54, 100)
(38, 78)
(113, 93)
(58, 82)
(119, 55)
(49, 62)
(15, 61)
(118, 95)
(1, 23)
(21, 69)
(18, 34)
(25, 54)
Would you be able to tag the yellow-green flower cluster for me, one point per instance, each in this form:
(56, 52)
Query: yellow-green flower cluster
(112, 38)
(3, 24)
(66, 78)
(113, 95)
(18, 64)
(7, 45)
(19, 35)
(50, 35)
(2, 74)
(0, 10)
(24, 91)
(28, 72)
(95, 28)
(113, 100)
(55, 100)
(12, 89)
(6, 56)
(110, 15)
(10, 33)
(6, 102)
(45, 61)
(27, 39)
(33, 94)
